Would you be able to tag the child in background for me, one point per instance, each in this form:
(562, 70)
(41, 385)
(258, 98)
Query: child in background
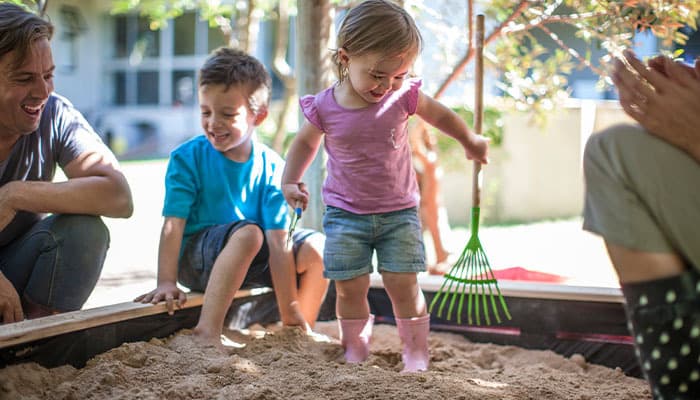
(371, 194)
(225, 214)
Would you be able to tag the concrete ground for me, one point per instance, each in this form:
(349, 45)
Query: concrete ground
(557, 247)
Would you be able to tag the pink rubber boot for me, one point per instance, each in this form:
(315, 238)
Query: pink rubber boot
(355, 335)
(414, 336)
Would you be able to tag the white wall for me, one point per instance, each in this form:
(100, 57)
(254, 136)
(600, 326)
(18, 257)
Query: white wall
(82, 83)
(537, 172)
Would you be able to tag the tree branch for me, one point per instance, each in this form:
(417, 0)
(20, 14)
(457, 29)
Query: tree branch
(572, 51)
(470, 52)
(552, 19)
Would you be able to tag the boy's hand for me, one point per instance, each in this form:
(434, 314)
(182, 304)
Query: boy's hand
(168, 292)
(477, 149)
(293, 317)
(296, 194)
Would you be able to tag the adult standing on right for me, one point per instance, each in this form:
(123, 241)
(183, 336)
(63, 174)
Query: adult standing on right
(643, 197)
(48, 264)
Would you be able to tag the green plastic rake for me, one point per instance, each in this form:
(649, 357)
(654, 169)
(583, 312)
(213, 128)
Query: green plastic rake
(471, 278)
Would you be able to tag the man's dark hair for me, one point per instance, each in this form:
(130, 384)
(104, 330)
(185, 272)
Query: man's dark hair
(19, 29)
(232, 67)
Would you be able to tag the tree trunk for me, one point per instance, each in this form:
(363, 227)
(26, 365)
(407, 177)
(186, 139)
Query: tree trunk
(284, 72)
(314, 22)
(245, 29)
(41, 7)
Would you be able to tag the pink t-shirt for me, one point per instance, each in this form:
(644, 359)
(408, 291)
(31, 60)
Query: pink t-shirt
(369, 159)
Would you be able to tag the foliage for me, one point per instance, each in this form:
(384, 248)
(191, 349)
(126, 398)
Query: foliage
(523, 41)
(451, 153)
(160, 12)
(535, 78)
(28, 4)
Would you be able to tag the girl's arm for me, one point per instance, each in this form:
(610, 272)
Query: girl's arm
(301, 154)
(450, 123)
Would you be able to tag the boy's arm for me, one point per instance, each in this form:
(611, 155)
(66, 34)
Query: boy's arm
(168, 253)
(284, 279)
(300, 155)
(450, 123)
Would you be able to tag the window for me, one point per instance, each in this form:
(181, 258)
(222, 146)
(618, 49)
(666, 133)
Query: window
(184, 88)
(215, 38)
(120, 37)
(134, 38)
(119, 88)
(157, 67)
(147, 87)
(184, 31)
(147, 41)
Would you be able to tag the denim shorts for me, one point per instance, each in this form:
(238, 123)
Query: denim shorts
(202, 249)
(352, 239)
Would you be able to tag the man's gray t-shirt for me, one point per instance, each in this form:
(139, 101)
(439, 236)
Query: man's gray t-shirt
(63, 134)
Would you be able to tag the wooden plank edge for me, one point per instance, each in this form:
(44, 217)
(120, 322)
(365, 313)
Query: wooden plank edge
(54, 325)
(547, 291)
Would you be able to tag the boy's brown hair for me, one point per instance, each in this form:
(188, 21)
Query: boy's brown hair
(19, 29)
(232, 67)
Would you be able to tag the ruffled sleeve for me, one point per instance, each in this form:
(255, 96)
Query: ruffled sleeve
(413, 89)
(310, 109)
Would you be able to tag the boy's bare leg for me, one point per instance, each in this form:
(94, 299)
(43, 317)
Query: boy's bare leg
(639, 266)
(312, 284)
(406, 297)
(351, 302)
(226, 278)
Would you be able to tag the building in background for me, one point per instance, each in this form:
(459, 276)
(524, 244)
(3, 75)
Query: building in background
(138, 86)
(135, 85)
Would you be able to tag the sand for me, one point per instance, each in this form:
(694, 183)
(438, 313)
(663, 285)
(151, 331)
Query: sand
(287, 364)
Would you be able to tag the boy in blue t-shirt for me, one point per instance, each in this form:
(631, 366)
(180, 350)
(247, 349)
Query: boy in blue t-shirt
(225, 214)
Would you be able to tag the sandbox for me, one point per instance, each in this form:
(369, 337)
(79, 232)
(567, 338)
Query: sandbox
(563, 342)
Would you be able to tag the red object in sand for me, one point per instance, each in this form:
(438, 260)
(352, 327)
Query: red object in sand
(523, 274)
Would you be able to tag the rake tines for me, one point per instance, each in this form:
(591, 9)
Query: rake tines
(471, 276)
(471, 279)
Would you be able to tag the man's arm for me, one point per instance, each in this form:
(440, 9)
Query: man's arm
(284, 279)
(95, 186)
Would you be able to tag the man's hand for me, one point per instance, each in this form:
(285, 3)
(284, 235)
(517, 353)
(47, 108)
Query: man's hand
(7, 210)
(10, 305)
(664, 99)
(168, 292)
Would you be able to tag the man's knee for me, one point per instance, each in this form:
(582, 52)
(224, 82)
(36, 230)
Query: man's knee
(83, 238)
(86, 231)
(613, 140)
(85, 228)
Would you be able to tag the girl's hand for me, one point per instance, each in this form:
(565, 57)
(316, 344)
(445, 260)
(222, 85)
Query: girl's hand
(296, 194)
(477, 149)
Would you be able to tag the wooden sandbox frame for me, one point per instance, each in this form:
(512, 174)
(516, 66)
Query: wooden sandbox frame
(565, 319)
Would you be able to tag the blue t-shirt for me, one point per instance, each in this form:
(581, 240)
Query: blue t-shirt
(206, 188)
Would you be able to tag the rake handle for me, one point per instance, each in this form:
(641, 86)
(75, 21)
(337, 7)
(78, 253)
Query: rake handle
(478, 103)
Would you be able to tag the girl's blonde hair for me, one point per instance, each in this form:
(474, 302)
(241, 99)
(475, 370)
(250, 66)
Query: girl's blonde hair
(376, 26)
